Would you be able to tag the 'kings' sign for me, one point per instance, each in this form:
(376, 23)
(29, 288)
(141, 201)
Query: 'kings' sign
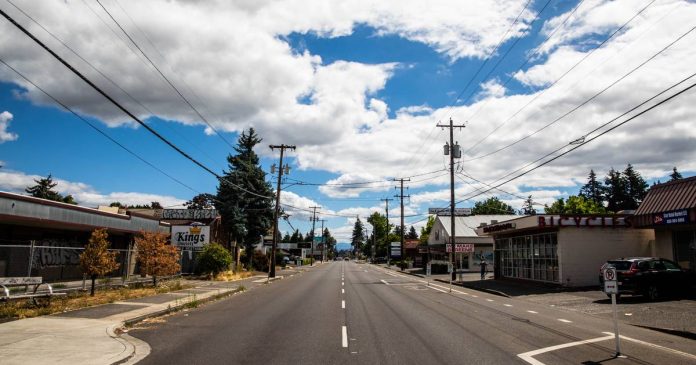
(190, 237)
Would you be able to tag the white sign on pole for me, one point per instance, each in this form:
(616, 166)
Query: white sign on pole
(428, 269)
(460, 247)
(192, 237)
(611, 287)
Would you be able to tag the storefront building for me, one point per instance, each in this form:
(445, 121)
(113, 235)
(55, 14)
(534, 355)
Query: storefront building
(670, 209)
(470, 248)
(563, 250)
(44, 238)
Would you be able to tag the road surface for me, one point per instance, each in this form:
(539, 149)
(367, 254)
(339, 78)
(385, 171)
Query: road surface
(349, 313)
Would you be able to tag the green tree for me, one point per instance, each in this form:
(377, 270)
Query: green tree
(397, 231)
(574, 205)
(201, 201)
(214, 259)
(616, 191)
(244, 198)
(636, 186)
(425, 231)
(528, 207)
(593, 189)
(330, 242)
(491, 205)
(675, 175)
(44, 190)
(117, 204)
(380, 228)
(357, 239)
(286, 238)
(296, 236)
(412, 234)
(156, 205)
(96, 260)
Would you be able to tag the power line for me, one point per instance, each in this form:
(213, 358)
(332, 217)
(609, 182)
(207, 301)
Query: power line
(165, 77)
(102, 74)
(584, 102)
(554, 82)
(121, 107)
(593, 138)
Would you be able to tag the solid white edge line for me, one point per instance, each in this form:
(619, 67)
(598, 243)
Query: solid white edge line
(685, 354)
(529, 356)
(344, 335)
(343, 304)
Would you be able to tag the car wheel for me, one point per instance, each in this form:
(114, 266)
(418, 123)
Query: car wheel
(652, 292)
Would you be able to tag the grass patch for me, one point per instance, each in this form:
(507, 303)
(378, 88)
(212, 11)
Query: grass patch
(26, 309)
(231, 276)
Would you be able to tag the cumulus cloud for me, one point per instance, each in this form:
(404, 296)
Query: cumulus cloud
(5, 136)
(84, 194)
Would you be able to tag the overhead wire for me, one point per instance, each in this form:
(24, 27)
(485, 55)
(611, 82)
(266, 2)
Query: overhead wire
(165, 77)
(538, 95)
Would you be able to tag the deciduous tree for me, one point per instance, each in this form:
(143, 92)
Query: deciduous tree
(491, 205)
(155, 256)
(96, 260)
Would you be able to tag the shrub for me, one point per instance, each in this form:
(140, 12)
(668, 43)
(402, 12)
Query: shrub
(214, 259)
(259, 261)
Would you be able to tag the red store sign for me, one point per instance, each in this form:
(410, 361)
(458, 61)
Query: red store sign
(580, 221)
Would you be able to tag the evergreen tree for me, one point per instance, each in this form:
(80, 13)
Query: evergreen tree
(616, 191)
(44, 190)
(397, 231)
(412, 234)
(330, 242)
(296, 236)
(491, 205)
(201, 201)
(357, 239)
(528, 207)
(636, 188)
(156, 205)
(593, 189)
(286, 238)
(675, 175)
(246, 216)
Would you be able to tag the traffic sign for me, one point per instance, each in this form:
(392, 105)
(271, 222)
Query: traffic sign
(610, 273)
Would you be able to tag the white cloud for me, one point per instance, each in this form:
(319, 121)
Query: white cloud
(5, 136)
(84, 194)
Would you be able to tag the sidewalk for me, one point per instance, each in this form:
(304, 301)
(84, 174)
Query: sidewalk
(91, 335)
(675, 316)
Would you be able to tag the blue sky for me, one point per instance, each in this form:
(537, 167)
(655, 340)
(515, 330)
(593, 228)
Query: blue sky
(344, 87)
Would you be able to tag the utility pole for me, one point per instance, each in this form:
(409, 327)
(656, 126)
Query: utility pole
(387, 200)
(454, 151)
(323, 243)
(281, 168)
(402, 196)
(311, 244)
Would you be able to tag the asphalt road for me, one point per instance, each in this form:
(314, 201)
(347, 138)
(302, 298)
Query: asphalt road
(349, 313)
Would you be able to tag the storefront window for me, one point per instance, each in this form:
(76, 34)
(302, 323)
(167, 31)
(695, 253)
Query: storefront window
(531, 257)
(684, 243)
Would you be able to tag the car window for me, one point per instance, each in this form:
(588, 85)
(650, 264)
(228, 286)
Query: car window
(643, 265)
(620, 265)
(671, 265)
(657, 265)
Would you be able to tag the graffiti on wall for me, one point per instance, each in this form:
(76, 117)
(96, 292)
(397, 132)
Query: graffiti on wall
(51, 253)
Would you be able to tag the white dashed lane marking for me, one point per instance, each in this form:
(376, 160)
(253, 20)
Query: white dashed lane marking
(533, 312)
(343, 304)
(565, 320)
(343, 291)
(344, 335)
(508, 305)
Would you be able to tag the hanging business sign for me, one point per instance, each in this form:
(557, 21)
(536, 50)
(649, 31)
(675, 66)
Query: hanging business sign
(192, 237)
(192, 214)
(447, 212)
(671, 217)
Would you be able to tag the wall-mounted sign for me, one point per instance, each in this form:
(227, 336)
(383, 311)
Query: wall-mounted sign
(671, 217)
(446, 211)
(192, 237)
(498, 227)
(192, 214)
(580, 221)
(460, 247)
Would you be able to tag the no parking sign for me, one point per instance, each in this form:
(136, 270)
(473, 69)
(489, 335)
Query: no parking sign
(610, 284)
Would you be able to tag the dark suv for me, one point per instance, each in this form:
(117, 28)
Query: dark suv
(648, 276)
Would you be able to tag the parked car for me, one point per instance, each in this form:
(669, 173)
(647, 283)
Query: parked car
(648, 276)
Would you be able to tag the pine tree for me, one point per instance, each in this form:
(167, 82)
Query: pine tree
(412, 234)
(286, 238)
(593, 189)
(636, 188)
(296, 236)
(357, 239)
(397, 231)
(675, 175)
(616, 191)
(528, 207)
(246, 216)
(44, 190)
(96, 260)
(201, 201)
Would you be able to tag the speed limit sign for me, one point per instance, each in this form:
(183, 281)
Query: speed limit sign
(610, 273)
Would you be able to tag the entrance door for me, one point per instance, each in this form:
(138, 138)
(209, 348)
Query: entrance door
(684, 245)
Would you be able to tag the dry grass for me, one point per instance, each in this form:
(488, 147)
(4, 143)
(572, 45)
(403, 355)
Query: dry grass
(231, 276)
(76, 300)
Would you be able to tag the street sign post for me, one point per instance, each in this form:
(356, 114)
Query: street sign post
(611, 287)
